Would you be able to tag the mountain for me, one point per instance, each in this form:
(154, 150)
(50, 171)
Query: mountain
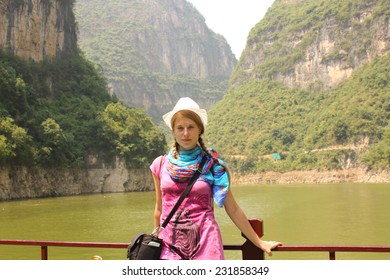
(61, 133)
(315, 45)
(37, 31)
(155, 51)
(312, 88)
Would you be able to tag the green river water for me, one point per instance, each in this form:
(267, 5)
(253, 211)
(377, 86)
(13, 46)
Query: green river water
(329, 214)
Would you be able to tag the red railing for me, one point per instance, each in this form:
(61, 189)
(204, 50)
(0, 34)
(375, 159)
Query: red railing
(249, 251)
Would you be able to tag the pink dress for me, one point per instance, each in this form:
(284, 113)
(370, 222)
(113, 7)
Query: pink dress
(193, 232)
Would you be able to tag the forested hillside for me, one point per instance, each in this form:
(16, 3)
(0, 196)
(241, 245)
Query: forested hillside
(275, 117)
(154, 52)
(310, 92)
(315, 44)
(57, 112)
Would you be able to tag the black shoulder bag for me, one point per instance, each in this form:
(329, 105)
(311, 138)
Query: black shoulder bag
(148, 246)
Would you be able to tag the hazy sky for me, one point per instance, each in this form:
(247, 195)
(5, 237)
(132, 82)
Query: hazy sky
(233, 19)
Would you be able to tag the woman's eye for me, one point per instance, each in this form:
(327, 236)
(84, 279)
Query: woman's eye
(181, 128)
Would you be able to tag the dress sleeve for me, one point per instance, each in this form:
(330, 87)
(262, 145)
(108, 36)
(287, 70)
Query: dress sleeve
(156, 165)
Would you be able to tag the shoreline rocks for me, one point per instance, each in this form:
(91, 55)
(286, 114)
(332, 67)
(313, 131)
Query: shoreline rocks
(352, 175)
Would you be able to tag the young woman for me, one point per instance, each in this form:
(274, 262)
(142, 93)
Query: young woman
(193, 232)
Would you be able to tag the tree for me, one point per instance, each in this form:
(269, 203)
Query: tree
(14, 141)
(132, 134)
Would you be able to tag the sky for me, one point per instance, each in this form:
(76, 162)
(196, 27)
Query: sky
(233, 19)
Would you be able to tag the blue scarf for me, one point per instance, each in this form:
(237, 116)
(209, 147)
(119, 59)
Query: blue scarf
(182, 169)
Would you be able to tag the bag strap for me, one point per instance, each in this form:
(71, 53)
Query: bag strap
(185, 192)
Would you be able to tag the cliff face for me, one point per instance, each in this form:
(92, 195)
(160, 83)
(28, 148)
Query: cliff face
(36, 29)
(314, 75)
(155, 51)
(320, 49)
(173, 38)
(24, 182)
(46, 29)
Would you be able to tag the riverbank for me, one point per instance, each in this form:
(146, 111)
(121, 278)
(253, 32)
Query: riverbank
(351, 175)
(22, 182)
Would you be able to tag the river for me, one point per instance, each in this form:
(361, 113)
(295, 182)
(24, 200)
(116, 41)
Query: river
(328, 214)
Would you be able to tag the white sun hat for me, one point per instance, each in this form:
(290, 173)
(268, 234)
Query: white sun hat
(186, 103)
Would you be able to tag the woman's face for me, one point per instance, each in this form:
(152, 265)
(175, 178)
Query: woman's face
(186, 133)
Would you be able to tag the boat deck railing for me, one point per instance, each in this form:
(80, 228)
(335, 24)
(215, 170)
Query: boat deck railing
(248, 249)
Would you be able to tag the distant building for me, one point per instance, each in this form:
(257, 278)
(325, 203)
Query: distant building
(276, 156)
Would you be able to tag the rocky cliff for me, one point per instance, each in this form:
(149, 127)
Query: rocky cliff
(314, 75)
(155, 51)
(318, 46)
(31, 182)
(351, 175)
(37, 29)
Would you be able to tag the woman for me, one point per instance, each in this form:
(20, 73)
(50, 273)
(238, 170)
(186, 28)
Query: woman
(193, 232)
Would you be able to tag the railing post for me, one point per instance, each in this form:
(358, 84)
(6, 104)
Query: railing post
(249, 250)
(44, 253)
(332, 255)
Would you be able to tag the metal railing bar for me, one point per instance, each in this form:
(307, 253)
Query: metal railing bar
(324, 248)
(248, 249)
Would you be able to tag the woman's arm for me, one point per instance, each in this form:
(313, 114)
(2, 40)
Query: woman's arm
(158, 206)
(241, 221)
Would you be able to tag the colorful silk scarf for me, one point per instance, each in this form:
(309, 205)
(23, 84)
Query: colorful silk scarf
(182, 169)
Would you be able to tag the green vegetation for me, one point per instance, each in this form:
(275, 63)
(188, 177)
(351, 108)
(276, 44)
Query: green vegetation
(325, 130)
(131, 133)
(312, 129)
(56, 112)
(142, 52)
(286, 31)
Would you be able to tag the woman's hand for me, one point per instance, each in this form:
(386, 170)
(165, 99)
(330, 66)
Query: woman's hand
(267, 246)
(241, 221)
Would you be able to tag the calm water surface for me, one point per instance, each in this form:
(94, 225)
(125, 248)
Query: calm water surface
(335, 214)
